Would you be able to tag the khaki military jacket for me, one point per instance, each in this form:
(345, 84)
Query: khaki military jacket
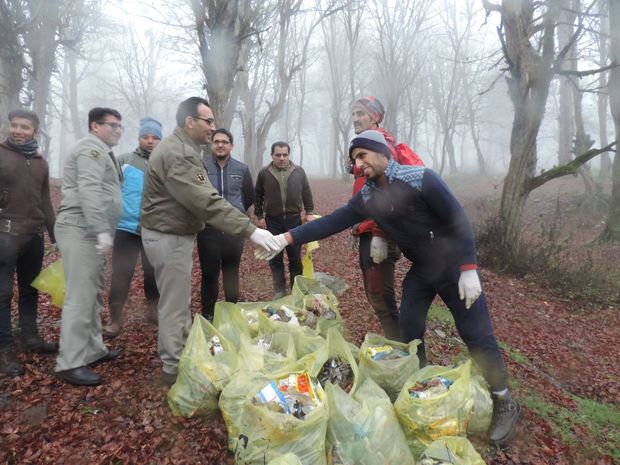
(91, 187)
(178, 197)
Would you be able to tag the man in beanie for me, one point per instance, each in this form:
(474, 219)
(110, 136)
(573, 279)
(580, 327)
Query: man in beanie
(417, 210)
(377, 253)
(25, 212)
(128, 240)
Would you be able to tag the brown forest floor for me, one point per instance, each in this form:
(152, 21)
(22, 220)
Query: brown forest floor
(559, 352)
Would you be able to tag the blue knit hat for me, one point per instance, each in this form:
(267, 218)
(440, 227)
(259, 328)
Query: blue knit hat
(371, 140)
(148, 126)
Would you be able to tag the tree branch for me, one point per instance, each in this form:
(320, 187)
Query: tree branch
(589, 72)
(569, 168)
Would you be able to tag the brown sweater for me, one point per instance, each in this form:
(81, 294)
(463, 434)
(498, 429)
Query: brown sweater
(25, 205)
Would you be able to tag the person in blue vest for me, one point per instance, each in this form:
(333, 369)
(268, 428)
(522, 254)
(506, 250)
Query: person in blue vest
(127, 239)
(417, 210)
(218, 250)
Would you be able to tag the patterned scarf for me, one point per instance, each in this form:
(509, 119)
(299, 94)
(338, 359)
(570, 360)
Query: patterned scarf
(29, 149)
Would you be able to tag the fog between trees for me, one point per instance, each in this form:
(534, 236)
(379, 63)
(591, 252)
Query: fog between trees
(468, 91)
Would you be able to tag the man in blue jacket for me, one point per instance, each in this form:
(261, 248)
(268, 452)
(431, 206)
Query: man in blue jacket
(416, 209)
(216, 249)
(127, 239)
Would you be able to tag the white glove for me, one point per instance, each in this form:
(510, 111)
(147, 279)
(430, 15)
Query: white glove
(104, 243)
(378, 249)
(469, 287)
(263, 254)
(264, 239)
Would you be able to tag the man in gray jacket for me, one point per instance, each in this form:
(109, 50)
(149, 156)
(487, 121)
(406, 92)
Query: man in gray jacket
(87, 218)
(178, 200)
(216, 249)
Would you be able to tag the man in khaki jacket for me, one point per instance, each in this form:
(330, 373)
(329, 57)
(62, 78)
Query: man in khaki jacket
(178, 200)
(87, 218)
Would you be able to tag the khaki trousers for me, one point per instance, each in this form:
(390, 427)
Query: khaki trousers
(171, 257)
(80, 331)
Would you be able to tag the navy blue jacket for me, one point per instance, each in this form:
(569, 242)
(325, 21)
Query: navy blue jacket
(417, 210)
(233, 182)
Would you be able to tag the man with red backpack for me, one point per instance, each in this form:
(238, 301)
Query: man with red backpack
(378, 254)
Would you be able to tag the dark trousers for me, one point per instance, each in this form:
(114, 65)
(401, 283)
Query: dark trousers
(22, 254)
(278, 226)
(127, 246)
(420, 286)
(379, 285)
(218, 251)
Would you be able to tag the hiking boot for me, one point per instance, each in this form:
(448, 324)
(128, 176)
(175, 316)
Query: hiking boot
(506, 414)
(35, 344)
(278, 295)
(9, 365)
(115, 327)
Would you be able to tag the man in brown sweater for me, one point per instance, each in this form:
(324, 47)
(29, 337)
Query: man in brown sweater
(282, 191)
(25, 212)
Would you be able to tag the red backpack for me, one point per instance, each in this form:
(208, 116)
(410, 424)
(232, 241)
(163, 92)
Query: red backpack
(406, 156)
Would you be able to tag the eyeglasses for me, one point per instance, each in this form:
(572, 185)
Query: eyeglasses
(114, 126)
(220, 142)
(209, 121)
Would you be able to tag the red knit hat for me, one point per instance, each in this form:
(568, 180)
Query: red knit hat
(372, 106)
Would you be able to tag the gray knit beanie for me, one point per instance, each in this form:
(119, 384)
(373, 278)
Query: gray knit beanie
(371, 140)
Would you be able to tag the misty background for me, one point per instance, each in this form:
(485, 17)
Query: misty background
(435, 64)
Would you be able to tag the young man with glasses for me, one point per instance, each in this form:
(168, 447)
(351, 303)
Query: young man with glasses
(216, 249)
(25, 212)
(178, 200)
(282, 191)
(87, 217)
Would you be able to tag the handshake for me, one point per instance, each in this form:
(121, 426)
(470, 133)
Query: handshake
(269, 245)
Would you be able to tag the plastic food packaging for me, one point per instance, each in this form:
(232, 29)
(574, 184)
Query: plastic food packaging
(444, 413)
(388, 363)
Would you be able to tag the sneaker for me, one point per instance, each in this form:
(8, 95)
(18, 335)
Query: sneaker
(167, 379)
(506, 414)
(9, 365)
(34, 343)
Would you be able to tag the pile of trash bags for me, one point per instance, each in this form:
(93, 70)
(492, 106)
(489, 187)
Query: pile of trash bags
(292, 390)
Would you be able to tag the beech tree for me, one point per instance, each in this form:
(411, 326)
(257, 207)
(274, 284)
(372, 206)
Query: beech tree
(527, 34)
(611, 232)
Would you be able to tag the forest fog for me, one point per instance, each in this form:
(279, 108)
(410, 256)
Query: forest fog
(449, 73)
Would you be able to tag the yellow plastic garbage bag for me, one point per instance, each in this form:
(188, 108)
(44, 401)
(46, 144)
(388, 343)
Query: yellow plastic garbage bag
(51, 280)
(258, 433)
(338, 350)
(436, 401)
(363, 429)
(229, 320)
(286, 459)
(306, 261)
(267, 353)
(482, 409)
(451, 450)
(311, 295)
(206, 366)
(388, 368)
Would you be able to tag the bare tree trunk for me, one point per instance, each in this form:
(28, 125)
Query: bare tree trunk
(530, 76)
(11, 63)
(612, 224)
(566, 111)
(602, 96)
